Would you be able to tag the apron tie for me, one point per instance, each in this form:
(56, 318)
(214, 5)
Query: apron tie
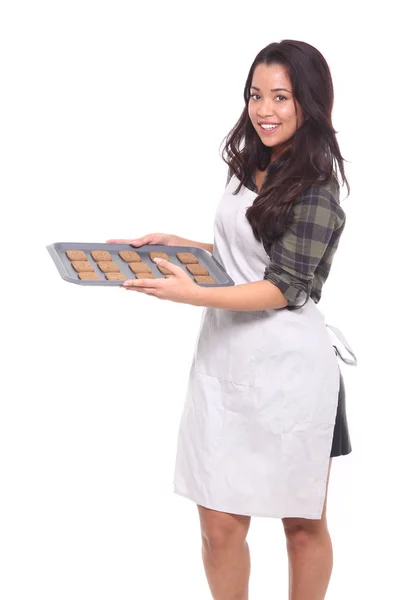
(339, 336)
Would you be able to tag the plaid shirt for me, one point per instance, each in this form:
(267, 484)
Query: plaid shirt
(302, 258)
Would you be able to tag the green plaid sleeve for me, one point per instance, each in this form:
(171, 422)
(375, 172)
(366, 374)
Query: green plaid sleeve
(310, 241)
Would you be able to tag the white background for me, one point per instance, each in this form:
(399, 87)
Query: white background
(112, 115)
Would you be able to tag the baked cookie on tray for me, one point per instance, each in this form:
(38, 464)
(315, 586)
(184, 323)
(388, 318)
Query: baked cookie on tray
(204, 279)
(139, 267)
(82, 265)
(88, 275)
(129, 256)
(197, 269)
(154, 255)
(101, 255)
(145, 276)
(163, 270)
(187, 258)
(76, 255)
(108, 266)
(116, 276)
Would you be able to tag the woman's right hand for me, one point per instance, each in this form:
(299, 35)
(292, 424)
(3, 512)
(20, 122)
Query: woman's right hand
(164, 239)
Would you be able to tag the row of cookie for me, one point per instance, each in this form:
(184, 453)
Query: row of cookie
(109, 266)
(140, 269)
(130, 256)
(90, 275)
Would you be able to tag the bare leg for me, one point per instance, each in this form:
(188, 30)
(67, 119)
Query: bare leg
(310, 555)
(225, 553)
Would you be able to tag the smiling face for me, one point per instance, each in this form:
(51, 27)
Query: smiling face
(272, 102)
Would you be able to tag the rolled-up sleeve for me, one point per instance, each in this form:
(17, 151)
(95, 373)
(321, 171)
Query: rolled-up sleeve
(294, 258)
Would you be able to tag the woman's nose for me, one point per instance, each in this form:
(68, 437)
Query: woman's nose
(265, 109)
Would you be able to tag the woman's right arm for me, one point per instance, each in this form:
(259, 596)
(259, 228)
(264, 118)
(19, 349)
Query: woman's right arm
(180, 241)
(164, 239)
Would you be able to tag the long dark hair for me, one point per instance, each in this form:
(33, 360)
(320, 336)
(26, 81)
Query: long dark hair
(312, 154)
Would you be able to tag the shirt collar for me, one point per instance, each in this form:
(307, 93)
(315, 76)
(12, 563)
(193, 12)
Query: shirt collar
(253, 177)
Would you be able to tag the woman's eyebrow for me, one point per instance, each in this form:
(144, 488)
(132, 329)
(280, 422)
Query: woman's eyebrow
(274, 90)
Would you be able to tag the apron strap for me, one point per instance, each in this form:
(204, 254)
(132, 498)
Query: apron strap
(339, 335)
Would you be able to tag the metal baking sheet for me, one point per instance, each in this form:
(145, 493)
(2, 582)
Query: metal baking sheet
(58, 254)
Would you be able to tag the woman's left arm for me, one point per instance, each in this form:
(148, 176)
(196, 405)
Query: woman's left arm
(257, 295)
(311, 240)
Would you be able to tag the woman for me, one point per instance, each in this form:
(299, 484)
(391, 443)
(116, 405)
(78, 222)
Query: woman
(265, 406)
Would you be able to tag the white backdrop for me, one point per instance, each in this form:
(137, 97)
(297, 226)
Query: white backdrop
(112, 114)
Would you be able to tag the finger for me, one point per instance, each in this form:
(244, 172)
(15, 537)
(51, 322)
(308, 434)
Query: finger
(146, 239)
(130, 283)
(132, 287)
(174, 269)
(119, 241)
(142, 283)
(148, 291)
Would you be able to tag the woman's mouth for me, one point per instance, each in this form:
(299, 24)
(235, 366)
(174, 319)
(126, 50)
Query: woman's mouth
(268, 129)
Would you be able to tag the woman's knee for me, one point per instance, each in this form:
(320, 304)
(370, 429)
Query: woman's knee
(301, 532)
(221, 530)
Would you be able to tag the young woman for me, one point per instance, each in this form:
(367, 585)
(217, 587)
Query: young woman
(265, 406)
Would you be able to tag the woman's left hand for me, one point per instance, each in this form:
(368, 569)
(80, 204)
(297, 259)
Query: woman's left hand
(178, 288)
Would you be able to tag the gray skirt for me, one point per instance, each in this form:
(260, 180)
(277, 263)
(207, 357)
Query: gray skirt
(341, 443)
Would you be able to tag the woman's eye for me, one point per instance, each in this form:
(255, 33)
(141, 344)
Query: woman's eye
(256, 96)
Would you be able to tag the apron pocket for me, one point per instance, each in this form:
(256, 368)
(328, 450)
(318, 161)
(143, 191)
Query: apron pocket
(227, 345)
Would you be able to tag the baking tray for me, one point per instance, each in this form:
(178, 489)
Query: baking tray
(67, 272)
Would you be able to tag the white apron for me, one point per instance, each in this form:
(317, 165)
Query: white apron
(257, 426)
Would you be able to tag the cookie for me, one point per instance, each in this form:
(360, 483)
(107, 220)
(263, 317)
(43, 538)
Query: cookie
(145, 276)
(187, 258)
(204, 279)
(163, 270)
(101, 255)
(116, 276)
(108, 266)
(76, 255)
(88, 275)
(129, 256)
(197, 269)
(82, 266)
(140, 267)
(154, 255)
